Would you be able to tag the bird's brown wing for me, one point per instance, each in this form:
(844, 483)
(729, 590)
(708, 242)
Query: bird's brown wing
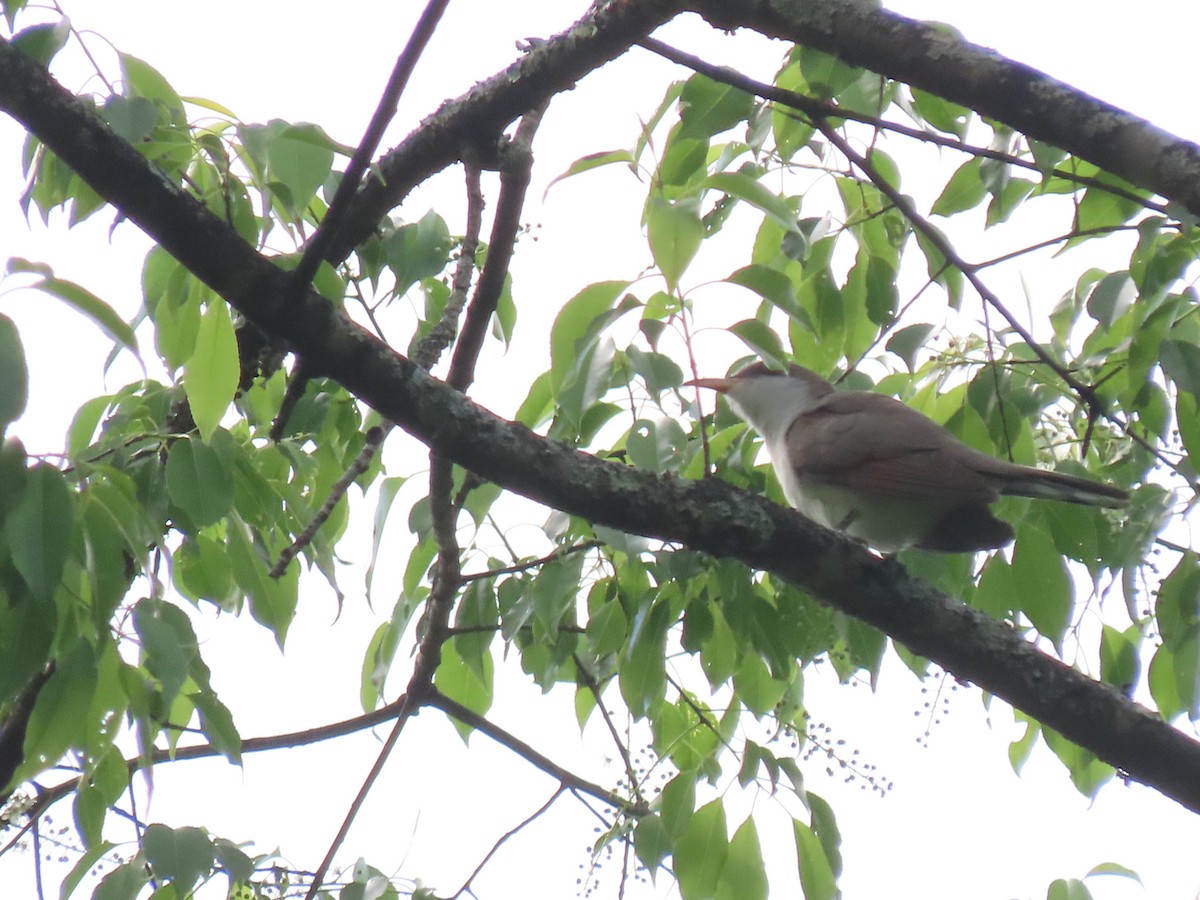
(874, 444)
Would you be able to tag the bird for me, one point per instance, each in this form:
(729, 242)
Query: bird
(880, 472)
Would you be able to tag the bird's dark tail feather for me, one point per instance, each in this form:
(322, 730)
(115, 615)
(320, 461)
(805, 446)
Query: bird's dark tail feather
(1048, 485)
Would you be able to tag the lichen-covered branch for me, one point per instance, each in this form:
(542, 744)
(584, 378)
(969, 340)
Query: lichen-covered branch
(935, 59)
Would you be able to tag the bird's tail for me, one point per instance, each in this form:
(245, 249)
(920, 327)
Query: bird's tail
(1023, 481)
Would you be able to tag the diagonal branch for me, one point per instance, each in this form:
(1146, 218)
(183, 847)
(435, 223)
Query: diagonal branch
(407, 710)
(327, 231)
(566, 778)
(541, 810)
(514, 183)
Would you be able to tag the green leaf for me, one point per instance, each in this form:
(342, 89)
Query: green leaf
(89, 811)
(759, 337)
(83, 867)
(941, 114)
(554, 588)
(181, 856)
(124, 882)
(1068, 889)
(656, 446)
(42, 42)
(133, 118)
(643, 674)
(1043, 582)
(272, 600)
(216, 721)
(232, 860)
(1164, 686)
(825, 825)
(997, 593)
(1088, 774)
(683, 167)
(701, 851)
(143, 80)
(752, 191)
(909, 341)
(388, 489)
(675, 233)
(79, 298)
(1119, 664)
(744, 876)
(14, 375)
(589, 162)
(608, 628)
(301, 158)
(203, 571)
(198, 481)
(1112, 296)
(677, 802)
(60, 717)
(578, 323)
(169, 646)
(651, 843)
(708, 107)
(211, 373)
(683, 736)
(1019, 750)
(40, 528)
(964, 190)
(1101, 208)
(418, 250)
(381, 651)
(774, 287)
(1181, 363)
(1177, 608)
(458, 681)
(1112, 868)
(755, 686)
(816, 875)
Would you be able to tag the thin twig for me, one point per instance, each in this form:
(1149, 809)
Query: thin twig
(319, 875)
(47, 797)
(37, 861)
(593, 685)
(569, 779)
(442, 334)
(361, 463)
(296, 386)
(504, 837)
(327, 231)
(705, 451)
(517, 568)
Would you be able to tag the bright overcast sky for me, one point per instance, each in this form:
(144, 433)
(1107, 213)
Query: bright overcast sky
(957, 822)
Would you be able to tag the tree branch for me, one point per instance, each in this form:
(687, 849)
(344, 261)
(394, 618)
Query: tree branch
(541, 810)
(935, 59)
(327, 231)
(529, 754)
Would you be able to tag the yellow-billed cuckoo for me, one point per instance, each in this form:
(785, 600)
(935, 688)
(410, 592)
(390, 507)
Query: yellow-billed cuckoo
(873, 468)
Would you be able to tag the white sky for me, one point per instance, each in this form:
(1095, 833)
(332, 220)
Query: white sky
(957, 823)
